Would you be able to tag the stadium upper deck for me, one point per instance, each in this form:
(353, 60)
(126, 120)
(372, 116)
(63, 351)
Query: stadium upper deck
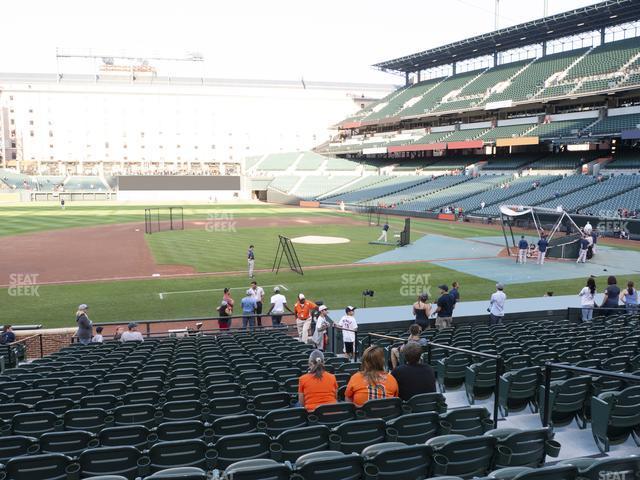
(607, 67)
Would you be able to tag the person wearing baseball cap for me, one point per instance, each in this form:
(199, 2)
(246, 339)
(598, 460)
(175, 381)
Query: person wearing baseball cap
(302, 310)
(496, 305)
(248, 304)
(349, 326)
(132, 334)
(319, 337)
(278, 306)
(444, 309)
(85, 326)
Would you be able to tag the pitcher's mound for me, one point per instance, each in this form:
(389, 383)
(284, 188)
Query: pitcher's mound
(320, 240)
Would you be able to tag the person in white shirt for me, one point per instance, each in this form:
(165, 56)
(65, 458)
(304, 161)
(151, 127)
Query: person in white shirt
(588, 299)
(278, 306)
(132, 334)
(496, 305)
(322, 325)
(349, 325)
(257, 293)
(98, 338)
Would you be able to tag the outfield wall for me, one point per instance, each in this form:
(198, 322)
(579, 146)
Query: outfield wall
(154, 188)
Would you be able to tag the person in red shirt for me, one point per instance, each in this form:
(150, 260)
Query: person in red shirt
(303, 309)
(318, 387)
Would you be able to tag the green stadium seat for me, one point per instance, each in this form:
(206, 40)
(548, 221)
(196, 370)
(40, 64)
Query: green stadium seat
(615, 416)
(256, 470)
(16, 446)
(394, 460)
(68, 443)
(354, 436)
(121, 461)
(293, 443)
(234, 448)
(415, 428)
(523, 448)
(518, 388)
(51, 466)
(329, 466)
(567, 401)
(462, 456)
(123, 436)
(469, 422)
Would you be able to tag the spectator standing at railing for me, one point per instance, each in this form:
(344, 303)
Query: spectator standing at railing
(422, 311)
(248, 309)
(629, 297)
(349, 325)
(85, 327)
(496, 305)
(588, 299)
(319, 337)
(278, 306)
(258, 294)
(224, 315)
(302, 310)
(611, 296)
(7, 336)
(226, 296)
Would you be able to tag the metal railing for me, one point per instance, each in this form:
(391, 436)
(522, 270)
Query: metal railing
(148, 323)
(431, 345)
(550, 366)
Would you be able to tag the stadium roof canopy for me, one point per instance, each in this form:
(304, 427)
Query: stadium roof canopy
(580, 20)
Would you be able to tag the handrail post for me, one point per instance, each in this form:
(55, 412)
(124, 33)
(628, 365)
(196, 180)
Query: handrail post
(41, 346)
(333, 339)
(496, 390)
(148, 329)
(429, 353)
(356, 350)
(547, 388)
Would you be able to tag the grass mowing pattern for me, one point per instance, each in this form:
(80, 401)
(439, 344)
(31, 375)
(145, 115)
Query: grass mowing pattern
(138, 300)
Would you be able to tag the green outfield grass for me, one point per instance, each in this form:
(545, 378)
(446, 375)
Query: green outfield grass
(140, 300)
(223, 251)
(17, 219)
(226, 251)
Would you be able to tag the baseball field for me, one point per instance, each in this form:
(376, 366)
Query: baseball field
(51, 260)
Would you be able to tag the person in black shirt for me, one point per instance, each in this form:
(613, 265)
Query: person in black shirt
(414, 377)
(445, 305)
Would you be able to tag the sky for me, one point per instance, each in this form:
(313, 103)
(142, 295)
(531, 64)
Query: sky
(329, 40)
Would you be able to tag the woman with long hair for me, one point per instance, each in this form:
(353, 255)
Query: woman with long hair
(629, 297)
(588, 299)
(318, 387)
(226, 296)
(422, 311)
(371, 382)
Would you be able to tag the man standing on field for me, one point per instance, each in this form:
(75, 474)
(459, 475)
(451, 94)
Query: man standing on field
(251, 260)
(523, 249)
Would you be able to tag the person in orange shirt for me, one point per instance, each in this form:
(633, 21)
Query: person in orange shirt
(318, 387)
(303, 309)
(371, 382)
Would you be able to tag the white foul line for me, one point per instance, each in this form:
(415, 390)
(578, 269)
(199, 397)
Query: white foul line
(162, 294)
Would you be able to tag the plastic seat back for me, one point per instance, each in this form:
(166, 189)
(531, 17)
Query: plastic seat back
(121, 461)
(233, 448)
(354, 436)
(130, 435)
(395, 460)
(51, 466)
(293, 443)
(414, 428)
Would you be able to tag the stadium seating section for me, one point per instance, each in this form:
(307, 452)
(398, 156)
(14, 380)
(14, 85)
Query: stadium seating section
(224, 406)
